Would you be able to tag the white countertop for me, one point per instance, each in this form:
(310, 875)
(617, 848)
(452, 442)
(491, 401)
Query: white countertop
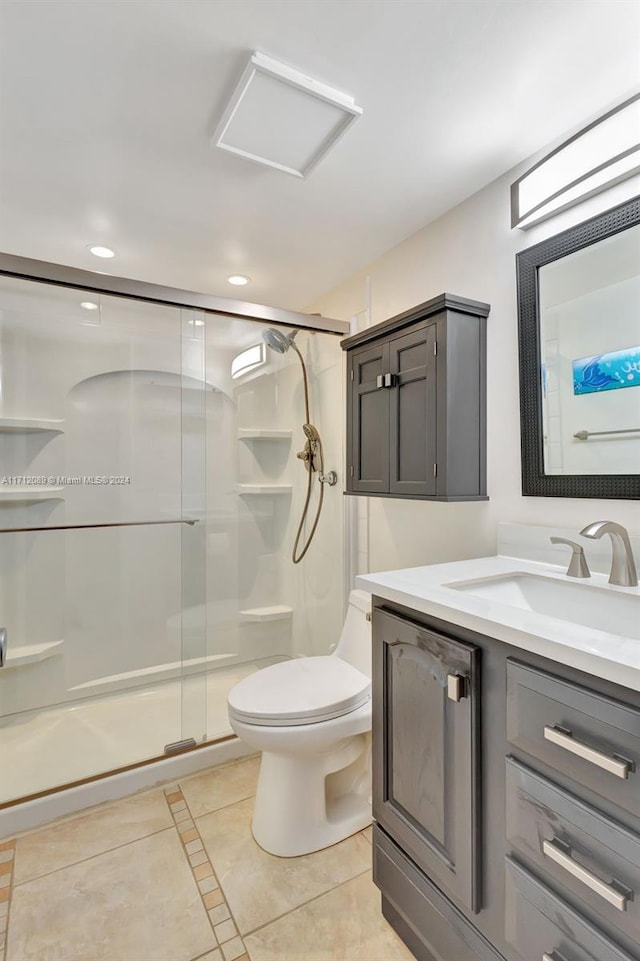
(595, 652)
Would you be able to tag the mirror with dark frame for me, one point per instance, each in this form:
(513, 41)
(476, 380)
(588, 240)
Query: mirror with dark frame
(579, 343)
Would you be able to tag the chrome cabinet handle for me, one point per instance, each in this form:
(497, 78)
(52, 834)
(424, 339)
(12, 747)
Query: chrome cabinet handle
(380, 380)
(4, 639)
(566, 740)
(456, 687)
(601, 888)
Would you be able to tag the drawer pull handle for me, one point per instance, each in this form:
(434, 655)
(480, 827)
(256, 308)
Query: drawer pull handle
(601, 888)
(566, 740)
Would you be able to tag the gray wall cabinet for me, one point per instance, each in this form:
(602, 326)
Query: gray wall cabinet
(493, 839)
(416, 408)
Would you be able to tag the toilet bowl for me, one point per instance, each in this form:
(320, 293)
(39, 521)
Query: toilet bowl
(311, 718)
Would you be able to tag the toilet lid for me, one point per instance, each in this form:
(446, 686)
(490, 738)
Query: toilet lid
(306, 690)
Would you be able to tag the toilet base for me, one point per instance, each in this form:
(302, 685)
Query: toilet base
(304, 804)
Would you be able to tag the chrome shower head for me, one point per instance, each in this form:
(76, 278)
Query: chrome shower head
(278, 341)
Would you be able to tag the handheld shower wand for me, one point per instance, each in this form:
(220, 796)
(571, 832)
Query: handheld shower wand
(311, 454)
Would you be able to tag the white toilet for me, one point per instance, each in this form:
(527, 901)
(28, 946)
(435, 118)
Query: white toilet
(311, 718)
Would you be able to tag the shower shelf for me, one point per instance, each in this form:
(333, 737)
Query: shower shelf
(28, 425)
(277, 612)
(25, 495)
(30, 654)
(255, 433)
(264, 488)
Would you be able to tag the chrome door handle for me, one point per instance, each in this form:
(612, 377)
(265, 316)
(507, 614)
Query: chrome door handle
(551, 850)
(566, 740)
(4, 640)
(380, 380)
(456, 687)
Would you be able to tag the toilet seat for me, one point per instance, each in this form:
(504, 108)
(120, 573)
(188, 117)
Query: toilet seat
(306, 690)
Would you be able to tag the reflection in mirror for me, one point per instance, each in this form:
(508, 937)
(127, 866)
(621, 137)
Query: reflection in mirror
(589, 304)
(579, 343)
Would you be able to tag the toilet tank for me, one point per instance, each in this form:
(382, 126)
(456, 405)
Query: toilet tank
(354, 645)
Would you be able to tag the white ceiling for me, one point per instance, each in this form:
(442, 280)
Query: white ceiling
(108, 107)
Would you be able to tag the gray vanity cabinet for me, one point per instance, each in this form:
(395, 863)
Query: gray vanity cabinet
(416, 403)
(425, 744)
(505, 798)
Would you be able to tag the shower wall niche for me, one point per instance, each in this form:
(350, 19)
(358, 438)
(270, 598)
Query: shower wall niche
(148, 505)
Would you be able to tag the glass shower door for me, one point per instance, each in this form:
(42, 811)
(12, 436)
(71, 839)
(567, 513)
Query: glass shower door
(101, 540)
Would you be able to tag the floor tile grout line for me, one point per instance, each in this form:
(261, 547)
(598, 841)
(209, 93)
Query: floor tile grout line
(176, 791)
(116, 847)
(305, 904)
(223, 807)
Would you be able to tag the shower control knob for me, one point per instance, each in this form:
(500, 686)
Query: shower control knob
(330, 478)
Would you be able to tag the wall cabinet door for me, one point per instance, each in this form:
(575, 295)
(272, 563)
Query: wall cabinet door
(368, 427)
(412, 414)
(426, 783)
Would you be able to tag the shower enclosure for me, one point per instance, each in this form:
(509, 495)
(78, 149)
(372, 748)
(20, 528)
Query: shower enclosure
(149, 498)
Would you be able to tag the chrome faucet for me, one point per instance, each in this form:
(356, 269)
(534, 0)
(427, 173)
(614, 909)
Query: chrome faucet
(623, 567)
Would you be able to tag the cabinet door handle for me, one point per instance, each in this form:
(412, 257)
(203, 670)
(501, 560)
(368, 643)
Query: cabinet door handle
(456, 687)
(566, 740)
(551, 850)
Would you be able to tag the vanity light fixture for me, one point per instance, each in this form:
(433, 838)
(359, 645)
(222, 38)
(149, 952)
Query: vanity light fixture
(603, 154)
(99, 251)
(283, 118)
(248, 360)
(238, 280)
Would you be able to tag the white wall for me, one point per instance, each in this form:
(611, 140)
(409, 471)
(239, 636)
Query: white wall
(470, 251)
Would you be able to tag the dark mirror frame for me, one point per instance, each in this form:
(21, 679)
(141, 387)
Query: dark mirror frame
(528, 262)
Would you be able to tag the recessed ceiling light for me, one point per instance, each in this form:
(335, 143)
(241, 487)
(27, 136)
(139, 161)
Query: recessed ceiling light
(99, 251)
(89, 305)
(238, 280)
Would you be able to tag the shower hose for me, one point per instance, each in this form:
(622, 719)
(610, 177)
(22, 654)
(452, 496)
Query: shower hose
(313, 457)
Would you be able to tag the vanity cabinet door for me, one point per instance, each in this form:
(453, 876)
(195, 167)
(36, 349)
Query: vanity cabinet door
(425, 750)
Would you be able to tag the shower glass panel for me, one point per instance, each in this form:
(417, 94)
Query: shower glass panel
(102, 441)
(150, 494)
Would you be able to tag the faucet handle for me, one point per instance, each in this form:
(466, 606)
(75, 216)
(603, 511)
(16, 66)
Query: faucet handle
(578, 566)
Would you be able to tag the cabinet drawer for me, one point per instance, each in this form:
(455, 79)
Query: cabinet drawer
(580, 733)
(586, 853)
(541, 927)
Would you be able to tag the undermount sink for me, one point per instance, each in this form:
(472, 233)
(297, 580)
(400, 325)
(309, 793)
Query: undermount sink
(594, 607)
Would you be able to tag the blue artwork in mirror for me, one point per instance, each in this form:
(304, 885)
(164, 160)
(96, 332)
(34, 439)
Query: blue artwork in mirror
(611, 371)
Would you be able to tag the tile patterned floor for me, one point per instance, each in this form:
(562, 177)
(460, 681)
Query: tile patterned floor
(175, 875)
